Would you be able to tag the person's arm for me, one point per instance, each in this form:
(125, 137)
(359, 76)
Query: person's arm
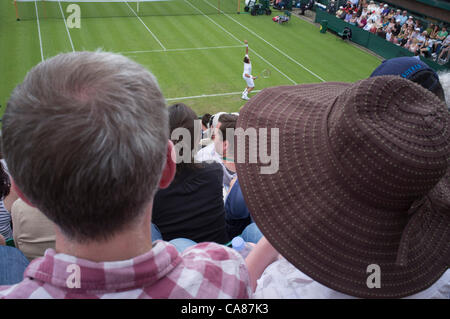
(246, 47)
(261, 256)
(2, 241)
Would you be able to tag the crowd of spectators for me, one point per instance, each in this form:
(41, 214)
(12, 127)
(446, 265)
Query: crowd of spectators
(396, 26)
(156, 203)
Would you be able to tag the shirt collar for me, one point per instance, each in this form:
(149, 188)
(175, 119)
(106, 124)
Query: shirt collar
(144, 270)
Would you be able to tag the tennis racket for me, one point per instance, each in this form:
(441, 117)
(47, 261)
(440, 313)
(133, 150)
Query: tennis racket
(264, 74)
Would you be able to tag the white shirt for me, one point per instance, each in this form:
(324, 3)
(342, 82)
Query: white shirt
(209, 154)
(247, 69)
(281, 280)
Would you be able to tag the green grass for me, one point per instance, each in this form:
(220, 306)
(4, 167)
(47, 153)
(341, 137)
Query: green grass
(191, 55)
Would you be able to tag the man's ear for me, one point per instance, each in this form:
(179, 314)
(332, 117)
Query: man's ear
(19, 193)
(169, 168)
(225, 145)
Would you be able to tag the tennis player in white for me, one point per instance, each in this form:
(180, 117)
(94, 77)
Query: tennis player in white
(247, 75)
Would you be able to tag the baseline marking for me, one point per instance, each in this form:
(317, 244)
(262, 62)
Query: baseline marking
(67, 29)
(207, 95)
(39, 31)
(296, 62)
(226, 31)
(154, 36)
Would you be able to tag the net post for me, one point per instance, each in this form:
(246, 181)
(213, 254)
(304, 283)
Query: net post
(17, 11)
(239, 6)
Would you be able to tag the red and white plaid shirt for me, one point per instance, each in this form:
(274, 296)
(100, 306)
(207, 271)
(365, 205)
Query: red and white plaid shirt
(206, 270)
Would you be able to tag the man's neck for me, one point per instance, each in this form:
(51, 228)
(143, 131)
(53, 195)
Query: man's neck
(125, 245)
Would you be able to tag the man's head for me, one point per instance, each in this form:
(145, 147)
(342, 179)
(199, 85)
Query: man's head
(413, 69)
(85, 137)
(246, 59)
(223, 140)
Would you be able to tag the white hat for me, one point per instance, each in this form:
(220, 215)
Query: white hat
(385, 5)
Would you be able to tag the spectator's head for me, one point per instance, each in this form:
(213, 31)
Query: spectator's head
(85, 138)
(183, 135)
(361, 193)
(405, 13)
(5, 183)
(224, 136)
(205, 121)
(412, 68)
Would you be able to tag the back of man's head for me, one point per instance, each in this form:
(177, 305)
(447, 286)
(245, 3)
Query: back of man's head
(85, 139)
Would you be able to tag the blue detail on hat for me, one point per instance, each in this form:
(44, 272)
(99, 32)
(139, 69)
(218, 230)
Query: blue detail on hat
(411, 71)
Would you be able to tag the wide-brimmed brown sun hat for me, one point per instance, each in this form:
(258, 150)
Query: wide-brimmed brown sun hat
(360, 183)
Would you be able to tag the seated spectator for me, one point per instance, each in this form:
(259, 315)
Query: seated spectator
(352, 214)
(398, 15)
(372, 6)
(192, 206)
(370, 25)
(438, 44)
(237, 214)
(209, 154)
(224, 144)
(12, 264)
(396, 29)
(413, 46)
(418, 25)
(389, 35)
(33, 232)
(332, 6)
(362, 21)
(444, 52)
(340, 13)
(391, 24)
(94, 128)
(386, 11)
(403, 18)
(413, 69)
(426, 47)
(441, 35)
(353, 19)
(410, 21)
(348, 16)
(434, 31)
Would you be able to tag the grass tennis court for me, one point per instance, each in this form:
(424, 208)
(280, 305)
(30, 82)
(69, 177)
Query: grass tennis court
(196, 55)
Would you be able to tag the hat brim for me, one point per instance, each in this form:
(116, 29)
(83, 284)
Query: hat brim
(314, 222)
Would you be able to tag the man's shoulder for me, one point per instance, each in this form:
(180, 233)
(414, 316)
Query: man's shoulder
(219, 270)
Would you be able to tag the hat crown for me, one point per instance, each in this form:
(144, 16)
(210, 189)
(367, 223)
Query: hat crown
(389, 141)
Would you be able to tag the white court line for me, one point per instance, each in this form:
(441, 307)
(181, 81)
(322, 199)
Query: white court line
(184, 49)
(154, 36)
(296, 62)
(39, 31)
(67, 29)
(207, 95)
(240, 42)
